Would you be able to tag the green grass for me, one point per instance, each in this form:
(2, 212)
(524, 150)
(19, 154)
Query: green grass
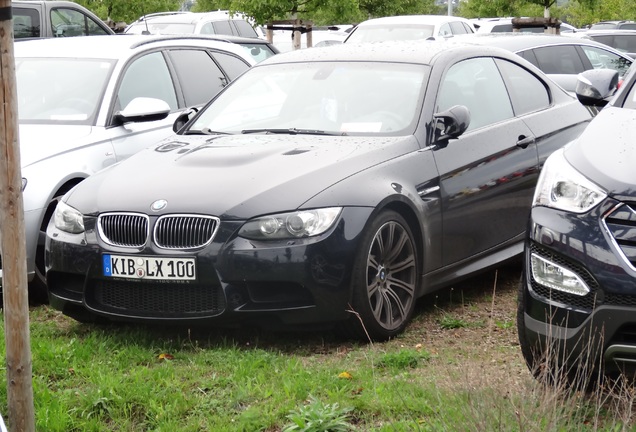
(127, 378)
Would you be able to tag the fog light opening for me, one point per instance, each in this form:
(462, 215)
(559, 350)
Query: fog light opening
(554, 276)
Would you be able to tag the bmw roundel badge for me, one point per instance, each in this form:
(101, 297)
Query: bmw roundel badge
(159, 205)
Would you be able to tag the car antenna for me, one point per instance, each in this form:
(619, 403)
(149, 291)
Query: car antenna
(144, 32)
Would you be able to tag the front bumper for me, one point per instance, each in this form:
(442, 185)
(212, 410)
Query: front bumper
(290, 282)
(599, 327)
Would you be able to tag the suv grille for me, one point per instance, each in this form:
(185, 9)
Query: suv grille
(184, 231)
(621, 224)
(123, 229)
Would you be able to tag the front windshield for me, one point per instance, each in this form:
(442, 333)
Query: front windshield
(60, 90)
(333, 97)
(385, 32)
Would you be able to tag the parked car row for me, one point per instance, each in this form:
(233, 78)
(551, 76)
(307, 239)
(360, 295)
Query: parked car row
(336, 186)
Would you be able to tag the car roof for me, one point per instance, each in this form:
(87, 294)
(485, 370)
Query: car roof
(610, 32)
(483, 24)
(522, 41)
(116, 47)
(399, 51)
(187, 17)
(414, 19)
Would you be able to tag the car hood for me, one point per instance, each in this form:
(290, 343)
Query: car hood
(39, 142)
(234, 177)
(605, 151)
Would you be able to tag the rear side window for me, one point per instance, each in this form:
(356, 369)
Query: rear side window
(222, 27)
(245, 29)
(200, 77)
(232, 66)
(26, 23)
(559, 60)
(527, 92)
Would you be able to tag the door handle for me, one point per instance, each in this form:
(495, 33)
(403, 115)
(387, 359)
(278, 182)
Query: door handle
(525, 141)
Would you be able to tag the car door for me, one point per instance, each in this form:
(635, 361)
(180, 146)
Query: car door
(487, 175)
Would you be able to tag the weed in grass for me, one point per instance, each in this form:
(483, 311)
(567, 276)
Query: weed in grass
(405, 358)
(317, 416)
(448, 322)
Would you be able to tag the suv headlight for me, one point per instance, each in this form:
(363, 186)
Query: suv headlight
(67, 219)
(298, 224)
(562, 187)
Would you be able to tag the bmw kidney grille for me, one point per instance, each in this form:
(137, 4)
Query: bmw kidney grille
(170, 231)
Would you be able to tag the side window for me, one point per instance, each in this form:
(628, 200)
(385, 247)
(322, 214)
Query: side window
(94, 29)
(222, 27)
(476, 84)
(26, 23)
(602, 59)
(67, 23)
(502, 28)
(457, 27)
(200, 78)
(630, 99)
(245, 29)
(233, 66)
(147, 76)
(207, 28)
(529, 55)
(527, 92)
(445, 30)
(468, 28)
(563, 59)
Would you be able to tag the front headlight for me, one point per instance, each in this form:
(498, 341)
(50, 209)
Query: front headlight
(562, 187)
(298, 224)
(67, 219)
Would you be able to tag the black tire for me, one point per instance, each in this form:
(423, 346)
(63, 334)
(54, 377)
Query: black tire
(384, 280)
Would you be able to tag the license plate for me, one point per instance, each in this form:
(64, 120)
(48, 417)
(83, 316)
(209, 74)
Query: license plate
(135, 267)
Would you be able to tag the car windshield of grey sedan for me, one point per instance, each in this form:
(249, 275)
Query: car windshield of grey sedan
(323, 188)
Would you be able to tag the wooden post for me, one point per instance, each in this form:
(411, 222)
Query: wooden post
(14, 272)
(296, 35)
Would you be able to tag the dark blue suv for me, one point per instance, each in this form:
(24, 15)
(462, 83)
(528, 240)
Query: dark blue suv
(577, 302)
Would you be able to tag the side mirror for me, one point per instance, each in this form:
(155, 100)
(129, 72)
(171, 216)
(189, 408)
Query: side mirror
(143, 109)
(451, 123)
(183, 119)
(595, 87)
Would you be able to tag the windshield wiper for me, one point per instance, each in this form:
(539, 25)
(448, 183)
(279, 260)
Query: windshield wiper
(293, 131)
(204, 131)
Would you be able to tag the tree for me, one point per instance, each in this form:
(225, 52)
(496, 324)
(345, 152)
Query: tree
(321, 12)
(128, 10)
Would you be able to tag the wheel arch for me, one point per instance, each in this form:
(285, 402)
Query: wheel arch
(60, 190)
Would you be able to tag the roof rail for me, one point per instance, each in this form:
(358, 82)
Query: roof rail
(188, 36)
(157, 14)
